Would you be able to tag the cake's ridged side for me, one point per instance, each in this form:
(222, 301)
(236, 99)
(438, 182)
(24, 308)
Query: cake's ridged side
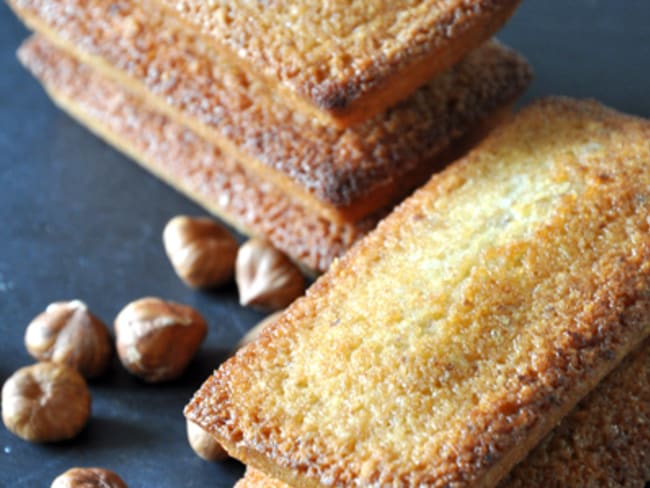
(344, 62)
(351, 172)
(441, 348)
(187, 162)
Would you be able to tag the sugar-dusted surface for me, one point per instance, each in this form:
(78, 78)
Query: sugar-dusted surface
(346, 60)
(354, 171)
(442, 347)
(187, 162)
(605, 441)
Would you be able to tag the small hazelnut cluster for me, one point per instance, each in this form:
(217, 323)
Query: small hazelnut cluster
(204, 254)
(50, 401)
(154, 339)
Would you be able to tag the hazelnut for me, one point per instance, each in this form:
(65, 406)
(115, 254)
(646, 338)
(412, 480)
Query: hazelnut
(265, 277)
(201, 251)
(68, 333)
(156, 339)
(45, 402)
(204, 444)
(88, 478)
(255, 332)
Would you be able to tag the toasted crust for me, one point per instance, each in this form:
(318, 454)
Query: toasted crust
(185, 161)
(605, 441)
(341, 174)
(344, 62)
(441, 348)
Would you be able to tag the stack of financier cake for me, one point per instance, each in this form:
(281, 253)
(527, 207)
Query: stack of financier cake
(452, 339)
(301, 121)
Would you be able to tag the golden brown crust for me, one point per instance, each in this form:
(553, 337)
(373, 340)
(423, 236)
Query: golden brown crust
(441, 348)
(342, 174)
(344, 62)
(604, 442)
(188, 163)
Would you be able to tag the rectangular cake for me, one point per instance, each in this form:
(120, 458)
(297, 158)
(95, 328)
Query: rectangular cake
(343, 175)
(187, 162)
(449, 341)
(604, 441)
(344, 61)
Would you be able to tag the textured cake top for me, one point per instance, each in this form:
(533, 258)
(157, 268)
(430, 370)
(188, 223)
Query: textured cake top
(440, 348)
(366, 163)
(333, 54)
(605, 441)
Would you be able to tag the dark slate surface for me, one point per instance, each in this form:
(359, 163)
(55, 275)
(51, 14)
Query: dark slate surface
(80, 220)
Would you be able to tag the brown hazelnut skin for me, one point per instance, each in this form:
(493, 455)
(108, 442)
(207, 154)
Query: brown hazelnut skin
(203, 444)
(201, 251)
(157, 339)
(265, 277)
(45, 402)
(88, 478)
(66, 332)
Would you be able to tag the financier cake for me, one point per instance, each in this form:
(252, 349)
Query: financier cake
(344, 61)
(449, 341)
(344, 175)
(186, 161)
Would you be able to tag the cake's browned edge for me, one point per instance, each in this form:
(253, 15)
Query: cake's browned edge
(188, 163)
(383, 165)
(344, 103)
(604, 441)
(311, 240)
(347, 103)
(618, 318)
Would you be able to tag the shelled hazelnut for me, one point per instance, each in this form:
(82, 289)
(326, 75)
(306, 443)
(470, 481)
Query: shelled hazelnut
(157, 339)
(201, 251)
(203, 444)
(45, 402)
(66, 332)
(265, 277)
(88, 478)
